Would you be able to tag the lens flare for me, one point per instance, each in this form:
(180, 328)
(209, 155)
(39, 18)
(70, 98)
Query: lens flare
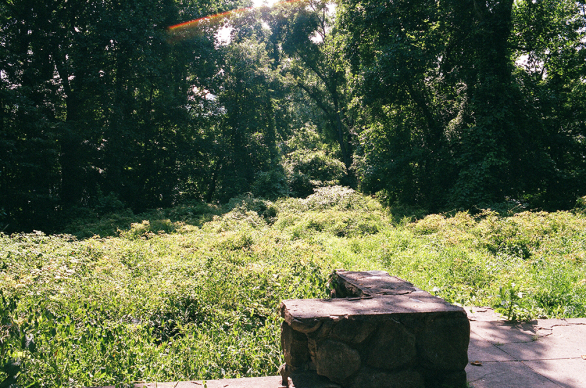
(194, 27)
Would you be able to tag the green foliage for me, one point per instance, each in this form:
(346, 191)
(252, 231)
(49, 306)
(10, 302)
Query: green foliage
(270, 185)
(460, 102)
(305, 41)
(336, 211)
(510, 305)
(581, 204)
(310, 169)
(193, 305)
(100, 109)
(9, 344)
(433, 105)
(454, 105)
(88, 224)
(193, 292)
(149, 228)
(309, 162)
(536, 258)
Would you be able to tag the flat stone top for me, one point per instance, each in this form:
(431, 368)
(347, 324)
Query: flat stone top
(375, 283)
(307, 310)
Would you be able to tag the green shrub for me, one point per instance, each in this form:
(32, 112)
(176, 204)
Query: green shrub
(193, 213)
(89, 225)
(581, 204)
(317, 165)
(300, 185)
(164, 300)
(309, 164)
(270, 185)
(403, 213)
(149, 228)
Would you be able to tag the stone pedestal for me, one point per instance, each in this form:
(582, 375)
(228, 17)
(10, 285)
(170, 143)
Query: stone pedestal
(379, 332)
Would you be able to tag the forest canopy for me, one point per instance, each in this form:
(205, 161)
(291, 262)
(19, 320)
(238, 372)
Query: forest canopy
(436, 105)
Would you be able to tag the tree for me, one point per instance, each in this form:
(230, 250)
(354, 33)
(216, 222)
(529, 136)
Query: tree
(548, 46)
(396, 50)
(100, 89)
(303, 41)
(242, 140)
(29, 104)
(448, 121)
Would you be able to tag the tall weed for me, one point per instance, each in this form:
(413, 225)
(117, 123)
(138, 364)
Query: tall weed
(175, 296)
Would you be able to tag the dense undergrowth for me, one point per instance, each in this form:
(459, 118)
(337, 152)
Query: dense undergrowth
(193, 292)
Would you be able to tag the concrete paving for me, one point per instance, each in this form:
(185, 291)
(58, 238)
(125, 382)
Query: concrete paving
(253, 382)
(545, 353)
(542, 353)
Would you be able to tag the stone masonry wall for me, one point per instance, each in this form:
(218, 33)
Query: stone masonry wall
(384, 333)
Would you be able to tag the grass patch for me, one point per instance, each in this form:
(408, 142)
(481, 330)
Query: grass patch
(193, 292)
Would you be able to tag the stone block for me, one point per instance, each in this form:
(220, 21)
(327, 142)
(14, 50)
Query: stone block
(392, 347)
(454, 380)
(352, 331)
(336, 360)
(371, 283)
(295, 347)
(443, 344)
(444, 379)
(371, 378)
(387, 333)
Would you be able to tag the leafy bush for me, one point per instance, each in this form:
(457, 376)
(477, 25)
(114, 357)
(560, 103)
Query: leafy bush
(334, 198)
(581, 204)
(174, 296)
(149, 228)
(336, 223)
(270, 185)
(309, 164)
(300, 185)
(248, 203)
(89, 224)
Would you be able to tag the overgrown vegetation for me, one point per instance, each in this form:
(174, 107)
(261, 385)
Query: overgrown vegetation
(435, 105)
(111, 108)
(193, 292)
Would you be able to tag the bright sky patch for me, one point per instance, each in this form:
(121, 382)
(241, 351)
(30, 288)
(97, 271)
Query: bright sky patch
(193, 27)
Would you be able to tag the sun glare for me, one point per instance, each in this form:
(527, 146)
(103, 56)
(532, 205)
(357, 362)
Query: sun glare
(193, 27)
(258, 3)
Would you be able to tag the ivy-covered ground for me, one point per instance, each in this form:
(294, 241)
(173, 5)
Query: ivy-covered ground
(192, 292)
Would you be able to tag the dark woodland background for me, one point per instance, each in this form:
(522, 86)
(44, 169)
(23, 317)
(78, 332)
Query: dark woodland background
(430, 105)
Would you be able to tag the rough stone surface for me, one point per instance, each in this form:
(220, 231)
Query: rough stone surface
(325, 329)
(511, 375)
(352, 331)
(372, 283)
(456, 379)
(294, 345)
(434, 378)
(443, 344)
(336, 360)
(369, 378)
(540, 353)
(392, 347)
(306, 326)
(302, 314)
(387, 333)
